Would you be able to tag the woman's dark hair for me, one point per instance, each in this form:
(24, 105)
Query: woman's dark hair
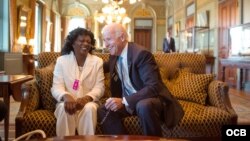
(72, 36)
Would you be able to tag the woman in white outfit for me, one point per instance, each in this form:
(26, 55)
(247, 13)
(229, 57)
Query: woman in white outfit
(78, 84)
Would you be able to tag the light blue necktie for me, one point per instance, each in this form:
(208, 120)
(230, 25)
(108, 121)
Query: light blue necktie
(124, 90)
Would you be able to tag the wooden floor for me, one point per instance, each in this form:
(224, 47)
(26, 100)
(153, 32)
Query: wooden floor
(240, 101)
(242, 94)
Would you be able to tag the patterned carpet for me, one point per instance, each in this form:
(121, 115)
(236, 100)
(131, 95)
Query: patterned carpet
(239, 103)
(14, 107)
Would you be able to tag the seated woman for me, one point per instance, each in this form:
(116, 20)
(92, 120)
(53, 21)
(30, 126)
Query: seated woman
(78, 84)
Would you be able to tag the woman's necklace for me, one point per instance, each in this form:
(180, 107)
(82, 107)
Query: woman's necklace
(80, 69)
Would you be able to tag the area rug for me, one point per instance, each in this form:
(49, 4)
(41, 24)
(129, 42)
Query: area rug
(240, 104)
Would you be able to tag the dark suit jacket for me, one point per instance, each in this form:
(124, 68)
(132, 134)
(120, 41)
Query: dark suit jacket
(168, 46)
(145, 78)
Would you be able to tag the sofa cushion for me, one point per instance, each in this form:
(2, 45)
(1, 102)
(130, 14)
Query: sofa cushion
(191, 87)
(44, 77)
(170, 82)
(165, 74)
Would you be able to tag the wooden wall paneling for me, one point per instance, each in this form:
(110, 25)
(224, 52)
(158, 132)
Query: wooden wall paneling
(64, 25)
(190, 22)
(28, 64)
(32, 18)
(227, 18)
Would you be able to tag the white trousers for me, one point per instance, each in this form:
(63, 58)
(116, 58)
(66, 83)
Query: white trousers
(83, 121)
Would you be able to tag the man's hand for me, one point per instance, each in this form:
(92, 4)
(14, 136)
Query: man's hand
(69, 104)
(114, 104)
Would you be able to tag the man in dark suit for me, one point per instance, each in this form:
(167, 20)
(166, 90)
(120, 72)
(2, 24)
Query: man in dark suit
(136, 87)
(168, 44)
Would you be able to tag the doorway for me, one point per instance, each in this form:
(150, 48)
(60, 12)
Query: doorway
(143, 37)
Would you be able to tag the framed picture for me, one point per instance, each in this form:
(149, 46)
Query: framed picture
(190, 10)
(203, 18)
(23, 26)
(177, 27)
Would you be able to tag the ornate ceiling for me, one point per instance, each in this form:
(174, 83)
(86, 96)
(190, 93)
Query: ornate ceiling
(96, 5)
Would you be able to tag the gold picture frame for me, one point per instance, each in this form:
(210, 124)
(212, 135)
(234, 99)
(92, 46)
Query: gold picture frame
(177, 28)
(23, 26)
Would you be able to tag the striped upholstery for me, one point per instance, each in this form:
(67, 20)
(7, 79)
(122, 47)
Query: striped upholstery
(199, 120)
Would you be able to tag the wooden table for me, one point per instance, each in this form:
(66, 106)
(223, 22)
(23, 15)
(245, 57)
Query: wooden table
(241, 63)
(126, 138)
(11, 85)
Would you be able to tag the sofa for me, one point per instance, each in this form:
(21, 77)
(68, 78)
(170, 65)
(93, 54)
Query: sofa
(205, 100)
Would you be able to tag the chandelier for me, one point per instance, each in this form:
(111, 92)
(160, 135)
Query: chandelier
(112, 12)
(121, 1)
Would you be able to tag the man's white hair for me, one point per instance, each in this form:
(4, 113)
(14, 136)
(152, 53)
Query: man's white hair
(116, 28)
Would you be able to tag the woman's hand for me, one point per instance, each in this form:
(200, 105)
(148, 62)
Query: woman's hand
(69, 104)
(81, 102)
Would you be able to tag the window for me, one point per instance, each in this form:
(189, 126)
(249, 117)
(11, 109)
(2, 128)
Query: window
(143, 23)
(4, 25)
(38, 29)
(240, 40)
(57, 46)
(76, 22)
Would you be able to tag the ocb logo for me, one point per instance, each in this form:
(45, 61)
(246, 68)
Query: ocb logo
(236, 132)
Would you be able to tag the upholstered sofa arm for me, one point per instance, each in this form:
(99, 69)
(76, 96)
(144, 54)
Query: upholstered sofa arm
(29, 103)
(218, 96)
(30, 98)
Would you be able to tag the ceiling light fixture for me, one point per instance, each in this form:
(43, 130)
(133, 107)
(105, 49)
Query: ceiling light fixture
(112, 12)
(121, 1)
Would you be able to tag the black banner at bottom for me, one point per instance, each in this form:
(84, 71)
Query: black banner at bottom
(235, 132)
